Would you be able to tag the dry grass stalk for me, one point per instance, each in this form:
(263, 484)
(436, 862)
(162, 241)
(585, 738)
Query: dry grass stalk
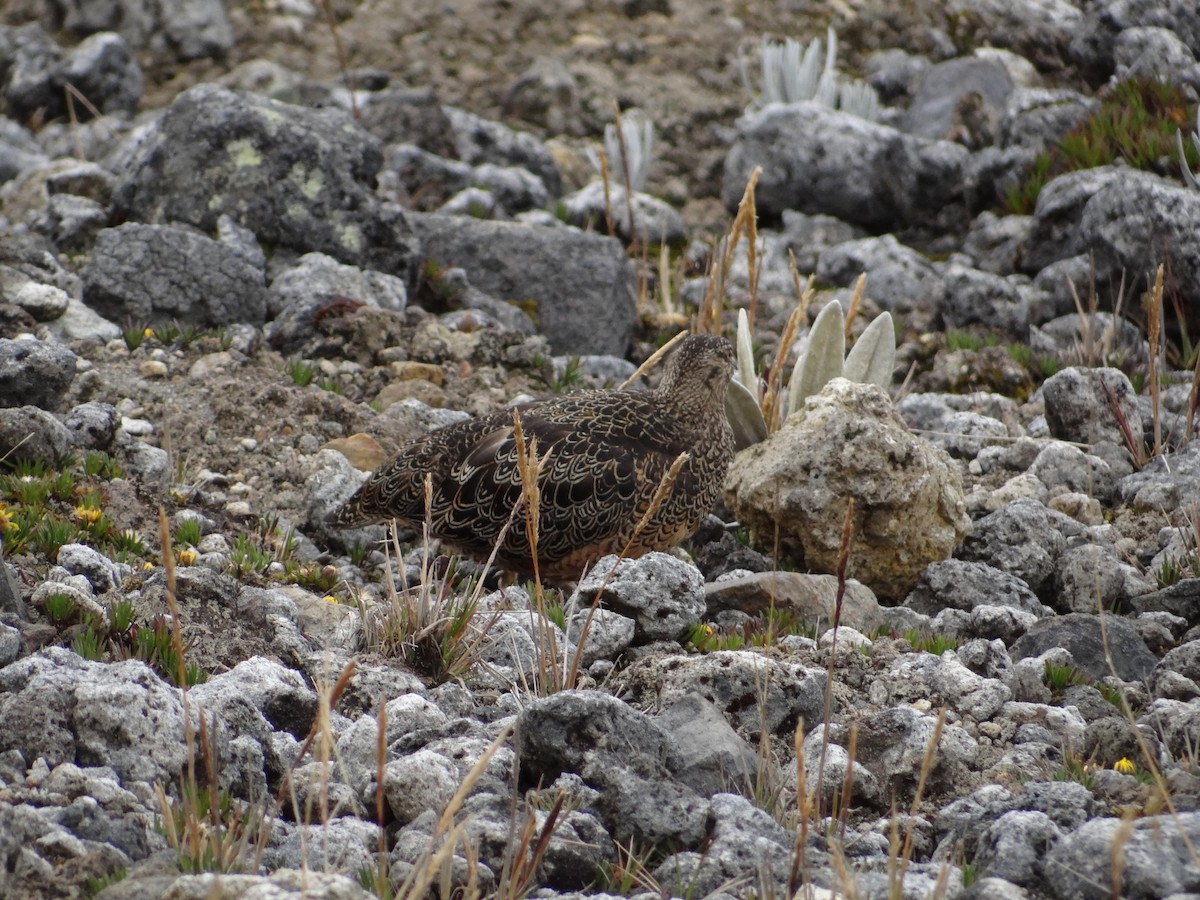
(848, 783)
(773, 403)
(860, 287)
(804, 811)
(434, 863)
(1154, 308)
(71, 94)
(931, 749)
(653, 360)
(340, 51)
(525, 851)
(712, 308)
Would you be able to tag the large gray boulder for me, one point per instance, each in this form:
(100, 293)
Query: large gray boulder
(300, 179)
(581, 287)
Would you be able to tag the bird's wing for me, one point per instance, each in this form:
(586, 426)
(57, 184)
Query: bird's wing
(601, 466)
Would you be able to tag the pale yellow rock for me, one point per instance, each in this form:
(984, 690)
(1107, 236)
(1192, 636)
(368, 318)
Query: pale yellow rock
(849, 442)
(362, 450)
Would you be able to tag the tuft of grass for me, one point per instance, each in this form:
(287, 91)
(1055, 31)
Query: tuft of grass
(1059, 678)
(188, 532)
(1075, 768)
(300, 371)
(1136, 122)
(937, 644)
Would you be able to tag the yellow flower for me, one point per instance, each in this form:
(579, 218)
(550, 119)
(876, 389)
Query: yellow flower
(186, 556)
(329, 598)
(148, 333)
(1124, 766)
(146, 566)
(88, 515)
(6, 522)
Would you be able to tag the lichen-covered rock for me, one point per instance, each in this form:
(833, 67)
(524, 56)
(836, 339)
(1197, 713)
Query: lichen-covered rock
(848, 442)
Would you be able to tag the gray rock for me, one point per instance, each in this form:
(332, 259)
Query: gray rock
(1175, 723)
(154, 273)
(1155, 855)
(1021, 539)
(962, 584)
(121, 715)
(726, 678)
(899, 278)
(298, 178)
(1040, 30)
(417, 782)
(746, 846)
(1164, 483)
(963, 822)
(34, 373)
(343, 844)
(560, 733)
(11, 642)
(1063, 465)
(1078, 407)
(33, 434)
(180, 29)
(973, 297)
(259, 695)
(646, 808)
(414, 117)
(1056, 233)
(1080, 634)
(1037, 118)
(994, 242)
(103, 68)
(819, 160)
(93, 425)
(1155, 53)
(608, 634)
(18, 150)
(515, 189)
(1014, 847)
(478, 141)
(892, 744)
(655, 222)
(936, 109)
(663, 595)
(318, 274)
(421, 180)
(1093, 43)
(103, 573)
(582, 284)
(1091, 577)
(1180, 599)
(848, 442)
(74, 223)
(311, 884)
(706, 754)
(1177, 675)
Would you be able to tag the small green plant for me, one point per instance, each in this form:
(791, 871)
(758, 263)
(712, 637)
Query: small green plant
(89, 644)
(1059, 678)
(937, 644)
(49, 535)
(94, 884)
(153, 645)
(1075, 768)
(331, 384)
(968, 340)
(317, 578)
(301, 372)
(59, 608)
(571, 376)
(168, 332)
(188, 532)
(1137, 122)
(98, 464)
(358, 554)
(247, 555)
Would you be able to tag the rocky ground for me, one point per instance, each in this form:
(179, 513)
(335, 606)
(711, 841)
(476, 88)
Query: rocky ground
(243, 286)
